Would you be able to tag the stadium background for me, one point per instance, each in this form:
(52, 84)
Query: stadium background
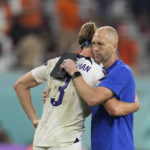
(33, 31)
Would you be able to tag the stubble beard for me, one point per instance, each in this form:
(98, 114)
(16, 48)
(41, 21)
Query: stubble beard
(98, 59)
(102, 58)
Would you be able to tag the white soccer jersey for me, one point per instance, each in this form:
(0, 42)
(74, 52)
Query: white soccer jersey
(64, 111)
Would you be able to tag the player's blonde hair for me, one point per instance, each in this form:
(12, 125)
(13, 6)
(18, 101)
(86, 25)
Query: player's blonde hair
(86, 33)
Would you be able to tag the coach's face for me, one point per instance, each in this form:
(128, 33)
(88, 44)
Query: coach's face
(102, 47)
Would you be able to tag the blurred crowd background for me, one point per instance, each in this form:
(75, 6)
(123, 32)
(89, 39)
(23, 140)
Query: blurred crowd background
(33, 31)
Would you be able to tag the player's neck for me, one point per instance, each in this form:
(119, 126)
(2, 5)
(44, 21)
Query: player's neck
(86, 52)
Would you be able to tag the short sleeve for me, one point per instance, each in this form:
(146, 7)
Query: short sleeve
(116, 81)
(39, 73)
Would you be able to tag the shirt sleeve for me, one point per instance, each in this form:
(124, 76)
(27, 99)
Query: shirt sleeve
(39, 74)
(116, 81)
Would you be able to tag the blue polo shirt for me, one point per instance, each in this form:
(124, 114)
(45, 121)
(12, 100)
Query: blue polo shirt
(109, 132)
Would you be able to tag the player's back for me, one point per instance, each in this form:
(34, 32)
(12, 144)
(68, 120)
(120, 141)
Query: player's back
(64, 111)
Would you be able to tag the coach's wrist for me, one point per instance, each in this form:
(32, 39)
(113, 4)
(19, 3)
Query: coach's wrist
(76, 74)
(73, 71)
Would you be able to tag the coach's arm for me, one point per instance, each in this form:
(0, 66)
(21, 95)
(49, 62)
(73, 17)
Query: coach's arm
(22, 88)
(92, 96)
(99, 95)
(119, 108)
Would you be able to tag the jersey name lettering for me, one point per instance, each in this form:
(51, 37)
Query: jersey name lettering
(83, 67)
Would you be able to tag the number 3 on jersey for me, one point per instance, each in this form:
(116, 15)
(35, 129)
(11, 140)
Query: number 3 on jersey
(61, 95)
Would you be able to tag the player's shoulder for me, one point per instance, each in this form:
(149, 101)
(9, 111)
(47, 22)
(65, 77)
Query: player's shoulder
(99, 70)
(53, 60)
(84, 59)
(96, 65)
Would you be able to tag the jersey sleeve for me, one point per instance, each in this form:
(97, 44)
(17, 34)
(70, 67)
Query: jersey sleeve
(116, 81)
(39, 74)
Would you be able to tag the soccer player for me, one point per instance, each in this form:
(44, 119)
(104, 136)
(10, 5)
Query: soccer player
(108, 132)
(62, 122)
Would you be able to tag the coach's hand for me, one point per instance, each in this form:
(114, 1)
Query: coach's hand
(137, 104)
(44, 96)
(35, 123)
(69, 65)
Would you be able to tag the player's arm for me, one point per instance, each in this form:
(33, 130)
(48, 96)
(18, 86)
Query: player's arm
(119, 108)
(22, 88)
(92, 96)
